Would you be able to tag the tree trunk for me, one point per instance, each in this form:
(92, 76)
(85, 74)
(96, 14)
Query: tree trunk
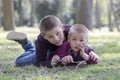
(116, 13)
(110, 16)
(97, 14)
(20, 11)
(84, 16)
(61, 9)
(33, 10)
(0, 13)
(8, 19)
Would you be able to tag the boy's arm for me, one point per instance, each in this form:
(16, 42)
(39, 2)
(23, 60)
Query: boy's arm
(41, 52)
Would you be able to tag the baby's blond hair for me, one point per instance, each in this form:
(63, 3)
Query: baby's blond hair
(79, 28)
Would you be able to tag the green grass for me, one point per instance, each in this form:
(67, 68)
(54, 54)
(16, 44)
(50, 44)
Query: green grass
(106, 44)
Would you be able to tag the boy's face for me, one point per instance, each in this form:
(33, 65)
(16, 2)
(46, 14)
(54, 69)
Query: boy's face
(55, 36)
(77, 40)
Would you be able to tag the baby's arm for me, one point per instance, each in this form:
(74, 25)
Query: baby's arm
(93, 55)
(83, 54)
(93, 58)
(90, 57)
(67, 59)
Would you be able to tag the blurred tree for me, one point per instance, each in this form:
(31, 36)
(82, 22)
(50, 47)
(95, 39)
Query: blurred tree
(8, 16)
(116, 12)
(0, 13)
(97, 14)
(20, 12)
(32, 13)
(61, 10)
(84, 12)
(47, 7)
(110, 16)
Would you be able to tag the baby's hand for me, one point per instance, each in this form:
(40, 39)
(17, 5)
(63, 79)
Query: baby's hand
(82, 47)
(55, 60)
(93, 55)
(67, 59)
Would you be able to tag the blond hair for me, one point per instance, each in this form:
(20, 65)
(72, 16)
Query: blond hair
(79, 28)
(49, 22)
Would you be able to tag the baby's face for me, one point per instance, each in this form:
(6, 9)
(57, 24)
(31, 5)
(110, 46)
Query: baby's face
(77, 40)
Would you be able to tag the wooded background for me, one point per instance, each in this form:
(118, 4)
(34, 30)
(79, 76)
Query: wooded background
(92, 13)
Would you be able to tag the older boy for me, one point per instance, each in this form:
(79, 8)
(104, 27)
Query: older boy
(53, 34)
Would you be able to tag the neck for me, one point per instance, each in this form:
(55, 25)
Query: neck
(75, 53)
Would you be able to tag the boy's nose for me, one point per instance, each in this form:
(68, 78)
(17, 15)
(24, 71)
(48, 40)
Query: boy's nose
(56, 38)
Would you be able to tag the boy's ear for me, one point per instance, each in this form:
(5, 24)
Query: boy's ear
(43, 35)
(86, 40)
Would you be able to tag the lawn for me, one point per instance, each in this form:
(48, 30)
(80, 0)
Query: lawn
(105, 43)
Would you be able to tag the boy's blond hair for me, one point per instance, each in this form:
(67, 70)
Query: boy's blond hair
(79, 28)
(49, 22)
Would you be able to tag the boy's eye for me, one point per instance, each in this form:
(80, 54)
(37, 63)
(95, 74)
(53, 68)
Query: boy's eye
(58, 33)
(50, 37)
(73, 39)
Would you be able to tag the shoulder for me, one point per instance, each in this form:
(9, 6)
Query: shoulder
(67, 27)
(63, 47)
(41, 41)
(65, 44)
(66, 30)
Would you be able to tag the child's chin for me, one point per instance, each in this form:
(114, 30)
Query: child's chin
(59, 44)
(75, 50)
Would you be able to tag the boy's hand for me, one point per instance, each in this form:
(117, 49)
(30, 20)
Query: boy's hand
(67, 59)
(55, 60)
(93, 55)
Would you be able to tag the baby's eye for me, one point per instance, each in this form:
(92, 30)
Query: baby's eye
(81, 40)
(58, 33)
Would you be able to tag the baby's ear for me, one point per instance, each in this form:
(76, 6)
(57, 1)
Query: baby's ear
(86, 41)
(43, 35)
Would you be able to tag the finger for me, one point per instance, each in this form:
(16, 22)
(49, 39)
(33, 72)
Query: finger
(71, 59)
(94, 58)
(67, 60)
(57, 58)
(91, 55)
(53, 63)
